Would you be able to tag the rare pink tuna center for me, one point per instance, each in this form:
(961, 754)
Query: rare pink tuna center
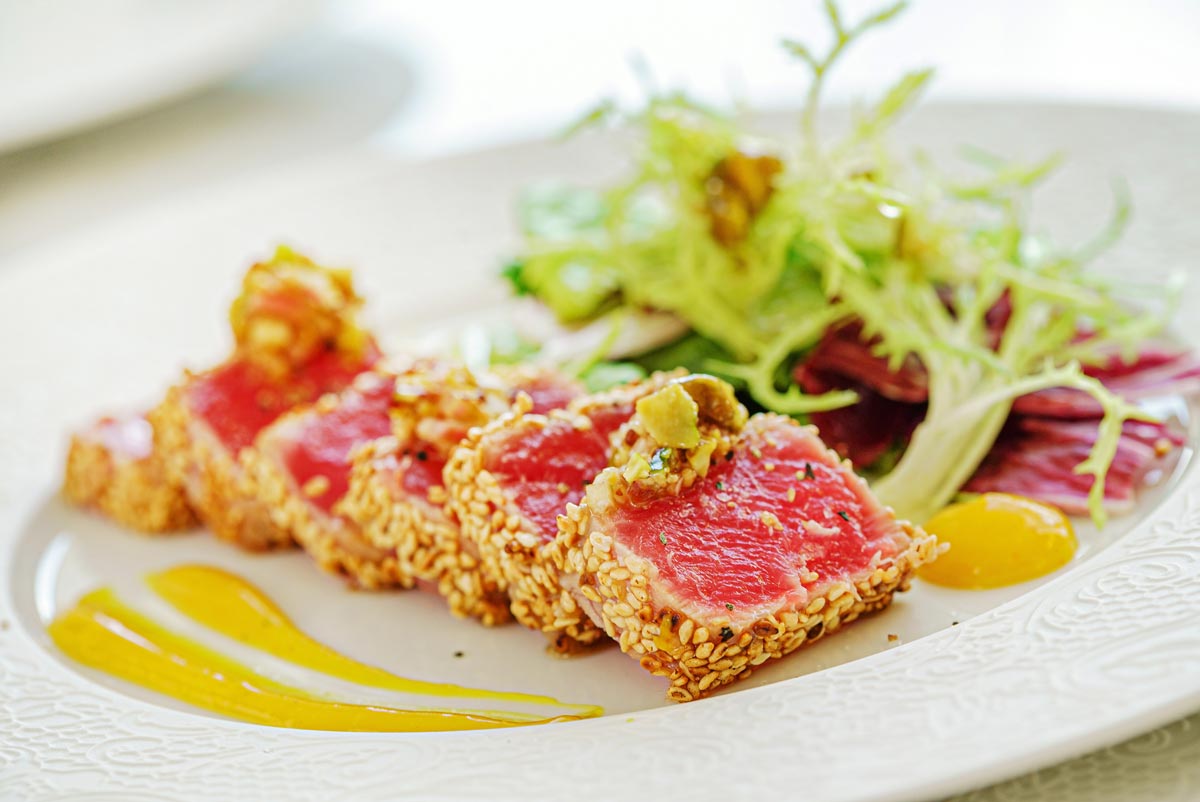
(763, 530)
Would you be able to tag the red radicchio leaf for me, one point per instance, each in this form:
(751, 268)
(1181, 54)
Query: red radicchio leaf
(1036, 457)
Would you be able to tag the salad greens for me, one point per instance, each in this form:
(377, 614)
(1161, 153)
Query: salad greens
(761, 247)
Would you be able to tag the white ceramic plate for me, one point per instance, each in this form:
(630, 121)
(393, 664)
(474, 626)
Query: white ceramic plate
(1102, 650)
(68, 64)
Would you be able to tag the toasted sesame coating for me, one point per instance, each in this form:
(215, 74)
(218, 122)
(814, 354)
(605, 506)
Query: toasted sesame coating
(335, 543)
(436, 404)
(508, 544)
(129, 486)
(213, 481)
(424, 540)
(699, 657)
(618, 588)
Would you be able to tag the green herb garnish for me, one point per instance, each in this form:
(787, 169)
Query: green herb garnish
(760, 255)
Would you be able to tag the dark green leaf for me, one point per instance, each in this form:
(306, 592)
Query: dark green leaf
(513, 273)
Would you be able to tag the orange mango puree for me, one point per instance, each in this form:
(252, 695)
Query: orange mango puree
(998, 539)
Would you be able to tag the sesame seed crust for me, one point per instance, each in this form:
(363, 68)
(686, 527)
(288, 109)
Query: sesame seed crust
(335, 543)
(624, 395)
(132, 492)
(436, 403)
(617, 588)
(426, 541)
(509, 545)
(212, 479)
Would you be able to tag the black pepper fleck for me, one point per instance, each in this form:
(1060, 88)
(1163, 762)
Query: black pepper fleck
(459, 654)
(808, 471)
(422, 456)
(726, 634)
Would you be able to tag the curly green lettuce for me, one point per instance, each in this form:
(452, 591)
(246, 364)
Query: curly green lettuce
(762, 246)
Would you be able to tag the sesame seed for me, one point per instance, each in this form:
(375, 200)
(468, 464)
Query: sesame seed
(791, 494)
(316, 486)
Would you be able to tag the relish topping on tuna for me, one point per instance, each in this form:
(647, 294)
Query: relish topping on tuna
(509, 483)
(292, 310)
(296, 339)
(704, 562)
(775, 518)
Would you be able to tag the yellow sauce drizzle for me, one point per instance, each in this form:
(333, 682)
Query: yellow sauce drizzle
(237, 609)
(102, 632)
(998, 539)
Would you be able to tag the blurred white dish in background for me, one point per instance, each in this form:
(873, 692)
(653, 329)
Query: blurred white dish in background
(69, 64)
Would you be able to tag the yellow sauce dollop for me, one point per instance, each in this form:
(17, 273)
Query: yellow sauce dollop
(998, 539)
(104, 633)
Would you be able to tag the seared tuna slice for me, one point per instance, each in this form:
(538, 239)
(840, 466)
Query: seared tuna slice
(396, 493)
(547, 389)
(297, 339)
(112, 467)
(508, 483)
(718, 546)
(300, 469)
